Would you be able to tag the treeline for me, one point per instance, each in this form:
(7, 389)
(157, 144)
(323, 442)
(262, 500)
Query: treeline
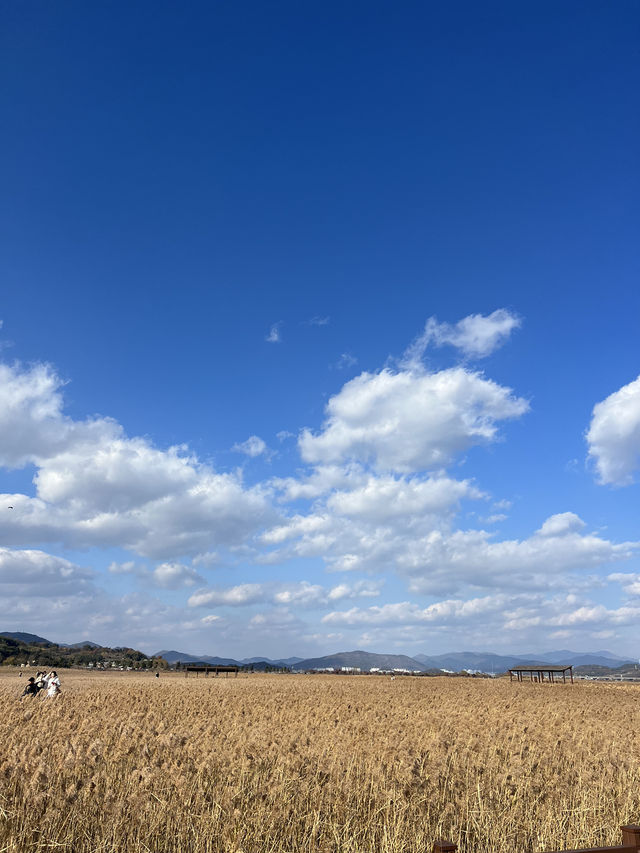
(15, 653)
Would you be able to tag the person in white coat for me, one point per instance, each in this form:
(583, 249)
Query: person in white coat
(53, 685)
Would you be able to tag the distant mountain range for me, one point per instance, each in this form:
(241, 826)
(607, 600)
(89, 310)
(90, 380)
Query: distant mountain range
(454, 661)
(487, 662)
(172, 656)
(362, 660)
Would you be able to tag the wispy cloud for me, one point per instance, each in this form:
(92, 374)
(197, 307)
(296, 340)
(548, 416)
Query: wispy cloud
(274, 336)
(318, 321)
(345, 361)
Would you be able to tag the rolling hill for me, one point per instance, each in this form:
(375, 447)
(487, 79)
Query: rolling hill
(363, 660)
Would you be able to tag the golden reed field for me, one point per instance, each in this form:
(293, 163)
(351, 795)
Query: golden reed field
(127, 762)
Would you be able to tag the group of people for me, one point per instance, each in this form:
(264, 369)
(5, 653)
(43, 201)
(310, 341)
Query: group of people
(47, 681)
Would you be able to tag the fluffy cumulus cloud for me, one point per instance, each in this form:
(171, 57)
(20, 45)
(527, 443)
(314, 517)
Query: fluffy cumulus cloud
(376, 496)
(302, 594)
(491, 618)
(49, 595)
(418, 542)
(31, 421)
(34, 573)
(175, 575)
(470, 559)
(408, 613)
(368, 527)
(614, 435)
(629, 581)
(253, 446)
(476, 336)
(410, 420)
(381, 499)
(95, 486)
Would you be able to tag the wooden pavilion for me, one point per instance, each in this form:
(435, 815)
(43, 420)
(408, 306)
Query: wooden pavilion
(207, 668)
(541, 672)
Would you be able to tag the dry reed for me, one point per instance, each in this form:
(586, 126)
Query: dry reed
(315, 763)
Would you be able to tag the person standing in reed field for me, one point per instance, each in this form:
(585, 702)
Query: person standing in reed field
(53, 685)
(30, 689)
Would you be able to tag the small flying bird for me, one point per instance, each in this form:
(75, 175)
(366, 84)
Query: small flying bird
(9, 507)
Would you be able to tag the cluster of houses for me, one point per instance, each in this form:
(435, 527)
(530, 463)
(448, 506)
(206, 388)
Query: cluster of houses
(375, 670)
(615, 677)
(103, 665)
(112, 664)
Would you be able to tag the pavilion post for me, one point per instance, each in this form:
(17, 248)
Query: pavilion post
(631, 836)
(444, 847)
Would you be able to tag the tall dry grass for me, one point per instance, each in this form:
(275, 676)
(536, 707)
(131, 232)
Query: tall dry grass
(303, 763)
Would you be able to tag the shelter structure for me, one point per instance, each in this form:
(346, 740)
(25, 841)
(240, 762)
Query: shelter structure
(207, 668)
(541, 672)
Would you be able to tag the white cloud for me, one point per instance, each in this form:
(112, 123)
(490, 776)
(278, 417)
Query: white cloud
(313, 595)
(302, 594)
(31, 423)
(361, 589)
(32, 573)
(129, 567)
(410, 420)
(476, 336)
(614, 435)
(236, 596)
(560, 524)
(319, 320)
(95, 486)
(175, 575)
(253, 446)
(379, 502)
(413, 537)
(630, 582)
(381, 499)
(207, 560)
(496, 518)
(296, 526)
(468, 558)
(598, 614)
(484, 620)
(274, 337)
(369, 524)
(408, 613)
(321, 480)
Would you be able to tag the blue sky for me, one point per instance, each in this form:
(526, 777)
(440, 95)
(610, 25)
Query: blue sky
(320, 326)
